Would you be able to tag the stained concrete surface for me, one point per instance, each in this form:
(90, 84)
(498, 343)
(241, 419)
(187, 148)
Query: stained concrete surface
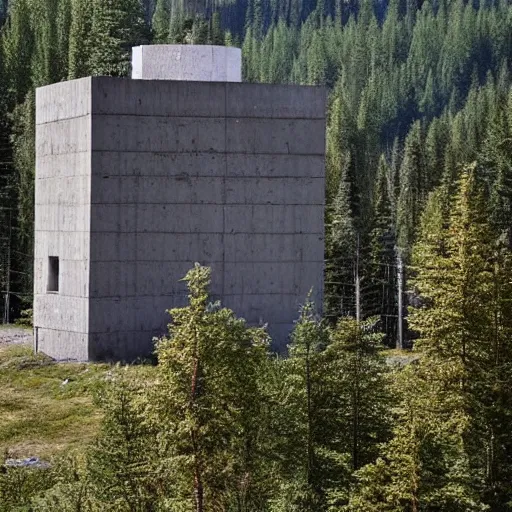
(138, 179)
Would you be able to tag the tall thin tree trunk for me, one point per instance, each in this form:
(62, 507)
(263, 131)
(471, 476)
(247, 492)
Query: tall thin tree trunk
(310, 417)
(400, 272)
(8, 274)
(355, 408)
(198, 490)
(357, 279)
(198, 483)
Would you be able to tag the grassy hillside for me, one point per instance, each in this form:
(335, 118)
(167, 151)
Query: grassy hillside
(47, 408)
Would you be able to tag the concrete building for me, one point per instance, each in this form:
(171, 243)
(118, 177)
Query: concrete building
(138, 179)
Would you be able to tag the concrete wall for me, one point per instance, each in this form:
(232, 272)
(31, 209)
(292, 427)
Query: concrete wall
(229, 175)
(203, 63)
(62, 218)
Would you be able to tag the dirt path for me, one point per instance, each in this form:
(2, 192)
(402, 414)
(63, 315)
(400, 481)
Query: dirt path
(11, 334)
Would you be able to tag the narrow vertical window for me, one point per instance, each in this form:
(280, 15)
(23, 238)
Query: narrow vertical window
(53, 274)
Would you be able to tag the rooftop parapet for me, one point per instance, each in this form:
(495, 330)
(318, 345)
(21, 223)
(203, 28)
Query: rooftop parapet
(199, 63)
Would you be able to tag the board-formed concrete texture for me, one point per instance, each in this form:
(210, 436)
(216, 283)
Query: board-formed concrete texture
(137, 179)
(201, 63)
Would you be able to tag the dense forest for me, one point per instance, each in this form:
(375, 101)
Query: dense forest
(418, 253)
(418, 92)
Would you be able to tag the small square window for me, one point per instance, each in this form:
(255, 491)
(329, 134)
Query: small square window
(53, 274)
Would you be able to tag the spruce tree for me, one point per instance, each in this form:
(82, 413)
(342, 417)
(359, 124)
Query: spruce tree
(122, 463)
(357, 403)
(45, 62)
(434, 461)
(208, 402)
(23, 144)
(63, 22)
(464, 285)
(18, 45)
(117, 25)
(412, 188)
(303, 471)
(341, 253)
(80, 39)
(495, 164)
(161, 19)
(382, 257)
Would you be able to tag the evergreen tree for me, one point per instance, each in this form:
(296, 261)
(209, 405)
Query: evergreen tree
(117, 25)
(45, 60)
(161, 19)
(435, 460)
(80, 39)
(18, 45)
(208, 398)
(412, 189)
(217, 34)
(463, 283)
(495, 163)
(383, 265)
(302, 486)
(121, 472)
(63, 22)
(23, 143)
(356, 414)
(335, 412)
(341, 247)
(424, 467)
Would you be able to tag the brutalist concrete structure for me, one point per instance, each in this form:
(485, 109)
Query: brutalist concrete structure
(138, 179)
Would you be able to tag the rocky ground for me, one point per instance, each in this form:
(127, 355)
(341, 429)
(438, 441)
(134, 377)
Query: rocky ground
(14, 335)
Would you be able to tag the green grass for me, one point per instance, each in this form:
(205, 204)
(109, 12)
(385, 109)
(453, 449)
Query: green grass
(39, 414)
(399, 357)
(403, 352)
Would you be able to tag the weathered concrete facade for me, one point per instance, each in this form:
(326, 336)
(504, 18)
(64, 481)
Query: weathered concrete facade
(137, 179)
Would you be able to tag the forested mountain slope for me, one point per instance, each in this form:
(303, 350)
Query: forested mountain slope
(418, 91)
(419, 209)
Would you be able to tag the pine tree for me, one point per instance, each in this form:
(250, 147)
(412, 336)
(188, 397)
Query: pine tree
(462, 280)
(382, 265)
(355, 387)
(495, 163)
(18, 45)
(208, 400)
(303, 471)
(121, 466)
(412, 189)
(217, 34)
(431, 462)
(424, 467)
(341, 253)
(316, 73)
(63, 22)
(177, 26)
(80, 39)
(161, 18)
(117, 25)
(335, 409)
(435, 146)
(23, 143)
(45, 62)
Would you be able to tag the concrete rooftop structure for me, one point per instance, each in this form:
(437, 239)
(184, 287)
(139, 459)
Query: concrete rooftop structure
(200, 63)
(138, 179)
